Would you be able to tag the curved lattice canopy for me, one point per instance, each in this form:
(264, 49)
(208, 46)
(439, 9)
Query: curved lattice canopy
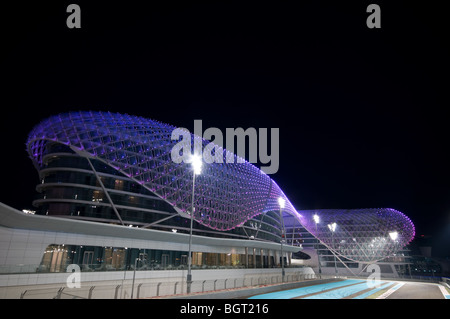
(226, 195)
(360, 234)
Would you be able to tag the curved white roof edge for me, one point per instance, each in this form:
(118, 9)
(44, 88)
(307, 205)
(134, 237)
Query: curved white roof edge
(13, 218)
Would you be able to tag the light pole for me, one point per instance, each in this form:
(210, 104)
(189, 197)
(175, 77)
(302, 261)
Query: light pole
(134, 275)
(196, 162)
(332, 227)
(281, 202)
(317, 220)
(393, 235)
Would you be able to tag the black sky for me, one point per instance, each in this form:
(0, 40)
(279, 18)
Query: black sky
(362, 112)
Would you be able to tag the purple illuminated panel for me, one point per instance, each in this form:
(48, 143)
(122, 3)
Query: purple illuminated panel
(360, 234)
(226, 195)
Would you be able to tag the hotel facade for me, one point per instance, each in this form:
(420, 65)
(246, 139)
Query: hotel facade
(110, 199)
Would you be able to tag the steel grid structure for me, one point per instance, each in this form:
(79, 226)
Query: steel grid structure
(226, 195)
(362, 235)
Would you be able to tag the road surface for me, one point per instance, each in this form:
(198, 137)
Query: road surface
(417, 290)
(361, 289)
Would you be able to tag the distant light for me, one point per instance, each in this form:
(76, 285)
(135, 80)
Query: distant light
(27, 211)
(393, 235)
(281, 202)
(174, 230)
(316, 218)
(196, 162)
(332, 227)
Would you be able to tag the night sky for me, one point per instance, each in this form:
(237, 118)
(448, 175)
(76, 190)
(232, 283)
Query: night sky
(362, 112)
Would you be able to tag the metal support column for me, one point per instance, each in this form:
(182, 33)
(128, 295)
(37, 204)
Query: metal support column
(105, 191)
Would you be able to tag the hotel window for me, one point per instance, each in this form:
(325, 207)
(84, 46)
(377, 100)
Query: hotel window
(118, 184)
(56, 258)
(114, 258)
(97, 196)
(88, 258)
(164, 260)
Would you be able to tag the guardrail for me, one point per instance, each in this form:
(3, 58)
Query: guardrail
(159, 289)
(446, 280)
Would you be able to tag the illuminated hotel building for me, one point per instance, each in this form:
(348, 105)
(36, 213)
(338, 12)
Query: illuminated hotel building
(109, 193)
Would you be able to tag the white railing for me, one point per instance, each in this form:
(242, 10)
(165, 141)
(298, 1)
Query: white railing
(159, 289)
